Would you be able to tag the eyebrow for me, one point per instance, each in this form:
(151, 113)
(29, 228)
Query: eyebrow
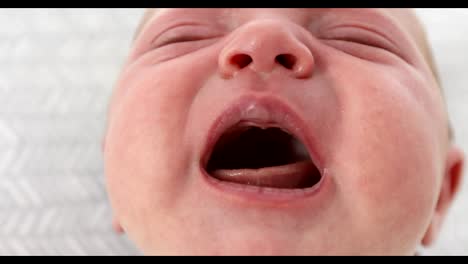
(378, 17)
(378, 20)
(146, 17)
(153, 16)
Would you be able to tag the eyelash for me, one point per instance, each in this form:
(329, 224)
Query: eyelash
(179, 39)
(360, 36)
(183, 34)
(347, 34)
(369, 43)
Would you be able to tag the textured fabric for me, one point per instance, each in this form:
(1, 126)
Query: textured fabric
(57, 68)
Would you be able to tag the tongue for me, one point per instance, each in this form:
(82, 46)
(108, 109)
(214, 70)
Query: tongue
(294, 175)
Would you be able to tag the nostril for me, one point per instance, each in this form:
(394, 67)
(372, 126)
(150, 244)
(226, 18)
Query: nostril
(241, 60)
(287, 60)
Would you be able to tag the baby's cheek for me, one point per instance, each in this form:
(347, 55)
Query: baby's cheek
(391, 161)
(146, 155)
(142, 137)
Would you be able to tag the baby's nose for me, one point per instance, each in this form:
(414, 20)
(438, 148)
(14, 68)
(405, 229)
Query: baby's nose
(263, 46)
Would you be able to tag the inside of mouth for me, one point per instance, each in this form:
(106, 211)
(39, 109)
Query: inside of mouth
(246, 148)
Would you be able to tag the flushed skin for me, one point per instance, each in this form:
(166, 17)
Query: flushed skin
(358, 80)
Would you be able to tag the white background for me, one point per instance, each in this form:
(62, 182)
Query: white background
(448, 32)
(57, 68)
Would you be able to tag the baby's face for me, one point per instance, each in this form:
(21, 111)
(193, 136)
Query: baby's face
(276, 131)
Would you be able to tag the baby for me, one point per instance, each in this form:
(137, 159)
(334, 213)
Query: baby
(280, 132)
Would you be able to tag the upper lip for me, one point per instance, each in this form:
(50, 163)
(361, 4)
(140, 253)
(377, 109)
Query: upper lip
(267, 111)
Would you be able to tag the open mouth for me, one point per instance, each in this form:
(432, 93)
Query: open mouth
(266, 156)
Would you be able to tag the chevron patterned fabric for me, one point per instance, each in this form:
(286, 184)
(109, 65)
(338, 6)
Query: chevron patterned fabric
(57, 68)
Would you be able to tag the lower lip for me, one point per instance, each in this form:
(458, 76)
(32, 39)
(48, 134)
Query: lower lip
(249, 193)
(266, 195)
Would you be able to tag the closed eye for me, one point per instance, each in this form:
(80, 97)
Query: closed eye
(361, 36)
(362, 41)
(177, 39)
(184, 34)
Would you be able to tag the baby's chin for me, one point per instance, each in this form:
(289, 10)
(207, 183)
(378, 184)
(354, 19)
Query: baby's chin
(266, 242)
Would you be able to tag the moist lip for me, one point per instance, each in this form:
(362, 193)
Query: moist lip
(264, 112)
(268, 156)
